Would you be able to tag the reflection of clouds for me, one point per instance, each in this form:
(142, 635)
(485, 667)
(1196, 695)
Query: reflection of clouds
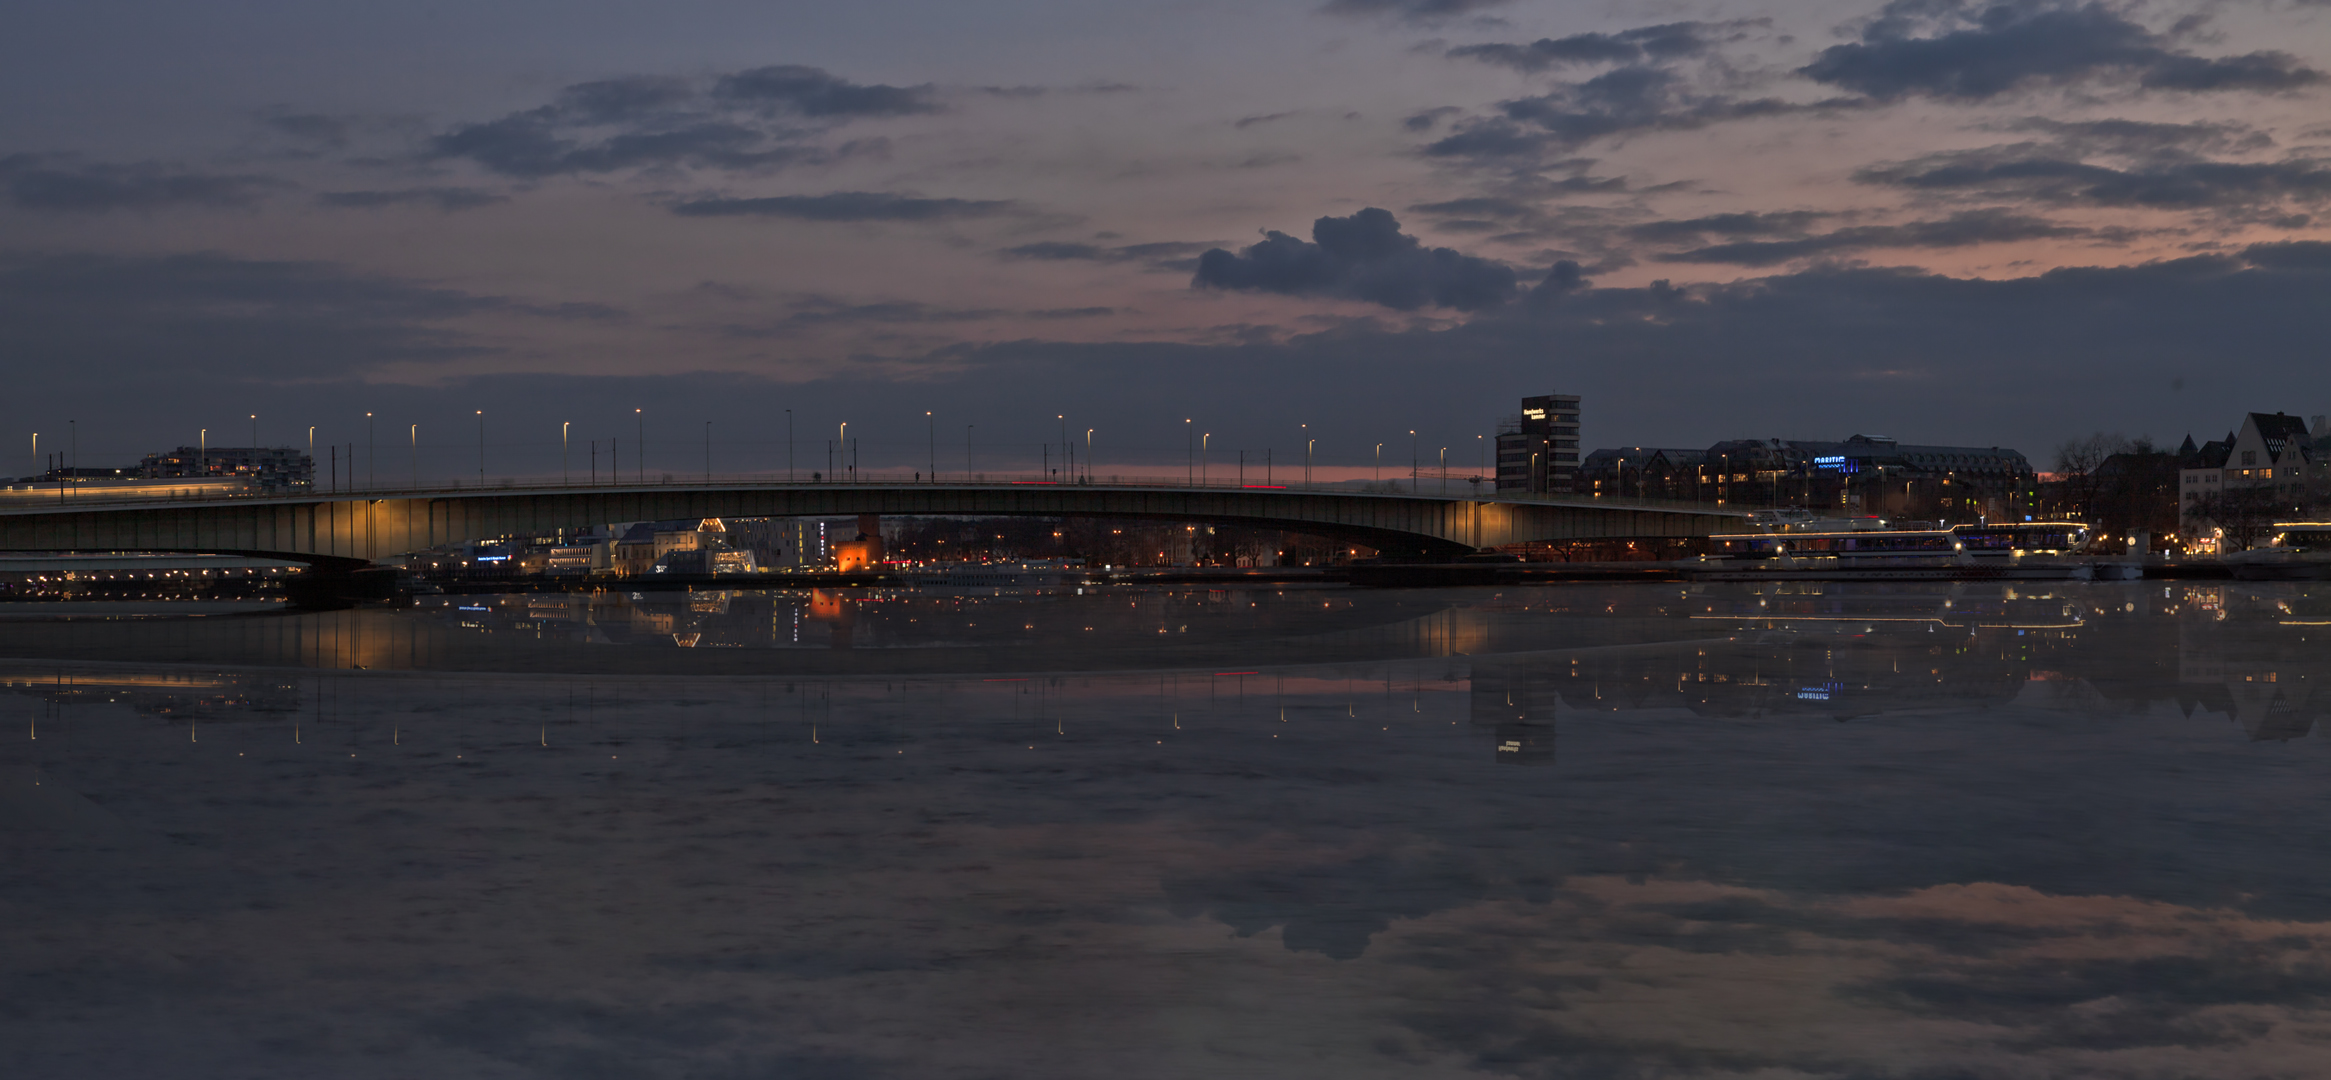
(1690, 978)
(1317, 871)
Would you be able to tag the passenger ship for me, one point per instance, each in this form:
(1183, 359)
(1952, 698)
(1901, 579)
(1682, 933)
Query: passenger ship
(1801, 548)
(2300, 551)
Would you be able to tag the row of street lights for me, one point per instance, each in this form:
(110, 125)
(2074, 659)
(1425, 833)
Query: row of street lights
(1197, 450)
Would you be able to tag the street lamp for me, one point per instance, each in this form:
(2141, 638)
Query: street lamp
(1444, 470)
(481, 448)
(1412, 459)
(566, 472)
(1205, 438)
(1379, 463)
(311, 455)
(967, 470)
(845, 441)
(1189, 455)
(371, 454)
(933, 424)
(641, 453)
(788, 446)
(1088, 454)
(416, 437)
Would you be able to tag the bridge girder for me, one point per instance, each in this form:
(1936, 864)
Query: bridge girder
(350, 530)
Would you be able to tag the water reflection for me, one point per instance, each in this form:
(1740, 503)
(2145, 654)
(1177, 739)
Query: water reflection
(1861, 831)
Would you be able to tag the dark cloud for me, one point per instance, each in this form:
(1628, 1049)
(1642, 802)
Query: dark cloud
(2144, 138)
(1964, 229)
(1668, 41)
(751, 120)
(532, 146)
(441, 198)
(1163, 255)
(1751, 223)
(848, 206)
(610, 100)
(2051, 174)
(1423, 120)
(814, 92)
(1362, 257)
(1623, 100)
(1245, 122)
(1420, 11)
(1969, 53)
(40, 183)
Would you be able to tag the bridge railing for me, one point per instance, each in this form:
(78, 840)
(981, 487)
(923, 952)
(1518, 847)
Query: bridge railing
(1429, 485)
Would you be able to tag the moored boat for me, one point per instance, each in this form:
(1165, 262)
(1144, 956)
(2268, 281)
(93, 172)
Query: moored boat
(1872, 549)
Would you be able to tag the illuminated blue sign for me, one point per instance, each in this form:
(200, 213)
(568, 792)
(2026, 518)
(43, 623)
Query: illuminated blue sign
(1837, 464)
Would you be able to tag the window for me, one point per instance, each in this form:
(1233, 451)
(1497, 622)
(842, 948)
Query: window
(2249, 457)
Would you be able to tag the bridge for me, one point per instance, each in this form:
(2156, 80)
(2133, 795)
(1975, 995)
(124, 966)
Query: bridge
(341, 532)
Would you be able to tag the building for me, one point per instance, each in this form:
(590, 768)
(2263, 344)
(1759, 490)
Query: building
(273, 468)
(1537, 450)
(2230, 490)
(1864, 474)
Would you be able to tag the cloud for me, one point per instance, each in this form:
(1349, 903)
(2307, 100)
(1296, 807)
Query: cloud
(39, 183)
(1966, 53)
(1417, 11)
(447, 199)
(533, 147)
(1751, 223)
(1667, 41)
(849, 206)
(1362, 257)
(1163, 255)
(1623, 100)
(813, 92)
(1964, 229)
(2052, 175)
(758, 119)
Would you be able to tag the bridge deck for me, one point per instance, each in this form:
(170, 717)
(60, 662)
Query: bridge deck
(371, 525)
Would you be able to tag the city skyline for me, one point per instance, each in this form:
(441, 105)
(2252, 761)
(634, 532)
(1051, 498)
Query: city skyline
(1940, 223)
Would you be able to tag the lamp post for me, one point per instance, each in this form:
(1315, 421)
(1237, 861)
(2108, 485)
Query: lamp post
(566, 471)
(1088, 455)
(416, 437)
(1444, 470)
(1067, 449)
(202, 453)
(1306, 429)
(788, 446)
(254, 433)
(1189, 455)
(933, 424)
(641, 452)
(371, 454)
(1412, 459)
(481, 448)
(1379, 463)
(1205, 439)
(311, 455)
(967, 470)
(845, 444)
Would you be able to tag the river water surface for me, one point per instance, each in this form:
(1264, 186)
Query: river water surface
(2069, 830)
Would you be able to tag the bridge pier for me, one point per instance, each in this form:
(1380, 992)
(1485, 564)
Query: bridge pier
(338, 583)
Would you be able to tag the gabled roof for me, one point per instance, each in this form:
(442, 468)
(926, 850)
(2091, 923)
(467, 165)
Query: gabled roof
(2278, 430)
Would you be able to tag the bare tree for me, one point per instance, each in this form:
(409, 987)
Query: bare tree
(2076, 463)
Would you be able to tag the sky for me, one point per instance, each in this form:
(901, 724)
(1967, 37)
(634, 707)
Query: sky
(970, 229)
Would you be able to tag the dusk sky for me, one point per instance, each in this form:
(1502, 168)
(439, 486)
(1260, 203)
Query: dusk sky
(1938, 221)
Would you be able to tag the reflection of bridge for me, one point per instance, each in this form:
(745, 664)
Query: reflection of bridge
(349, 529)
